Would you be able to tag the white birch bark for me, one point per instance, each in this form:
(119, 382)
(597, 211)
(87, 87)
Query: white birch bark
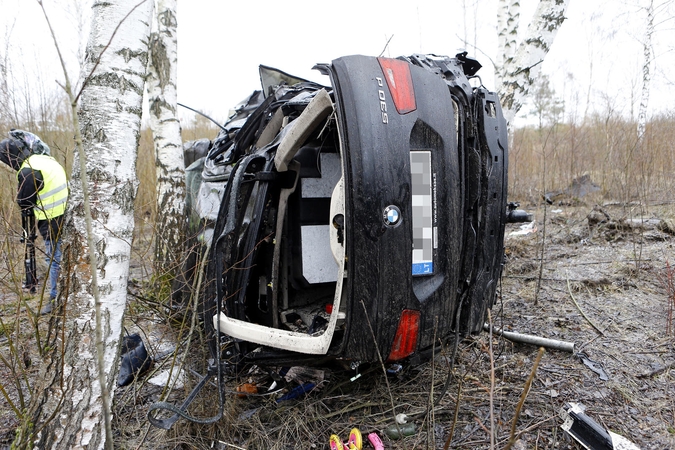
(646, 75)
(67, 408)
(162, 96)
(508, 20)
(518, 72)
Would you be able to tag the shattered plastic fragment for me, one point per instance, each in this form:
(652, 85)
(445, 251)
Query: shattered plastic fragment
(588, 433)
(375, 441)
(134, 359)
(297, 392)
(245, 389)
(525, 229)
(401, 418)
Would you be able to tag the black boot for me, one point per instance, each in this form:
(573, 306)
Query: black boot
(48, 307)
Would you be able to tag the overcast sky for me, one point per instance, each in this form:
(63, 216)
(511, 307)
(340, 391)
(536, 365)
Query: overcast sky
(596, 60)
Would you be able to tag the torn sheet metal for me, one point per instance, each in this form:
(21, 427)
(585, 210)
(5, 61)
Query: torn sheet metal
(590, 434)
(594, 366)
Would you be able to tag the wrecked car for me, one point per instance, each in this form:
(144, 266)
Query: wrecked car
(356, 220)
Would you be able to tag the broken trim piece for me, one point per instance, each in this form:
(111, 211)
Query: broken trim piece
(283, 339)
(590, 434)
(314, 114)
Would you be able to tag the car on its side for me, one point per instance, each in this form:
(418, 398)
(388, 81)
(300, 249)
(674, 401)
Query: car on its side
(356, 220)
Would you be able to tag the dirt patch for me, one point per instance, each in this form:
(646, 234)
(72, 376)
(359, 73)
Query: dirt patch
(599, 287)
(602, 291)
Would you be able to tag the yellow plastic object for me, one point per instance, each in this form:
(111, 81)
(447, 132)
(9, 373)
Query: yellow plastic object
(336, 443)
(355, 439)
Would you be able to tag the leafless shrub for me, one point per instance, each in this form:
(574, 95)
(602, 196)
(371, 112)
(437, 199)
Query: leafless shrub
(668, 281)
(604, 148)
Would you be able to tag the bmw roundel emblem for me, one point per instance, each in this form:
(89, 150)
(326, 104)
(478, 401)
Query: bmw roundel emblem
(392, 216)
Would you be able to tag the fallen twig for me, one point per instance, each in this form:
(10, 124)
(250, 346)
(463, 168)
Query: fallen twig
(569, 289)
(455, 416)
(348, 409)
(384, 369)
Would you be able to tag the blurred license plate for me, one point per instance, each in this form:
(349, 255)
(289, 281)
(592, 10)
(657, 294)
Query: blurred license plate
(422, 213)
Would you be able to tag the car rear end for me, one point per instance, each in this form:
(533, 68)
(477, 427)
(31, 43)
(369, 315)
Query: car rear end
(371, 219)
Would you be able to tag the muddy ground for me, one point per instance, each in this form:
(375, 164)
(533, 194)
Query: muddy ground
(598, 285)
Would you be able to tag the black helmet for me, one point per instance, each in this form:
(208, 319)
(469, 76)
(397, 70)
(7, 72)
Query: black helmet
(29, 142)
(11, 154)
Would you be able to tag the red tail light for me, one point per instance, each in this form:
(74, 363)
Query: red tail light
(399, 80)
(407, 333)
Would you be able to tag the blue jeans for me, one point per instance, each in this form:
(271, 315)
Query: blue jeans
(53, 259)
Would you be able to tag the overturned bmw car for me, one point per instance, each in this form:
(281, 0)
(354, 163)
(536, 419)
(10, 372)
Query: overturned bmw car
(355, 221)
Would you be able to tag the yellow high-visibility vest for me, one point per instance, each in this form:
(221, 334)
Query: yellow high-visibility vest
(52, 198)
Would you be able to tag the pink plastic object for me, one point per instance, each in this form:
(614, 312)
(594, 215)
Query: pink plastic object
(375, 441)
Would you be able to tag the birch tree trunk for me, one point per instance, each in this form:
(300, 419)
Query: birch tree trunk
(170, 219)
(508, 20)
(520, 68)
(646, 75)
(642, 159)
(70, 401)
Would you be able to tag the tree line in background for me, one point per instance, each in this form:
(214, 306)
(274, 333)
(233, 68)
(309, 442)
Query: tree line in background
(603, 145)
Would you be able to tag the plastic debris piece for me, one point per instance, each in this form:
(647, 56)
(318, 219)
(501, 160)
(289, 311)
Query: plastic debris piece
(297, 392)
(401, 418)
(302, 375)
(355, 441)
(525, 229)
(336, 443)
(134, 359)
(594, 366)
(177, 379)
(375, 441)
(394, 369)
(245, 389)
(590, 434)
(392, 431)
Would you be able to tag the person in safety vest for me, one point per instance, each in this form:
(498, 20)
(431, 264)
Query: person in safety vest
(43, 190)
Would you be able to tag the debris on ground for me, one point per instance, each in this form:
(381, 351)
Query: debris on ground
(580, 187)
(590, 434)
(134, 359)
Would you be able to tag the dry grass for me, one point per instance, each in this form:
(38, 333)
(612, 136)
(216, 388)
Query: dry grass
(605, 148)
(668, 281)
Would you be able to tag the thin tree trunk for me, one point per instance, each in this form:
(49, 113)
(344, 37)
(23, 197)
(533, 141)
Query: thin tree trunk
(70, 402)
(162, 67)
(646, 75)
